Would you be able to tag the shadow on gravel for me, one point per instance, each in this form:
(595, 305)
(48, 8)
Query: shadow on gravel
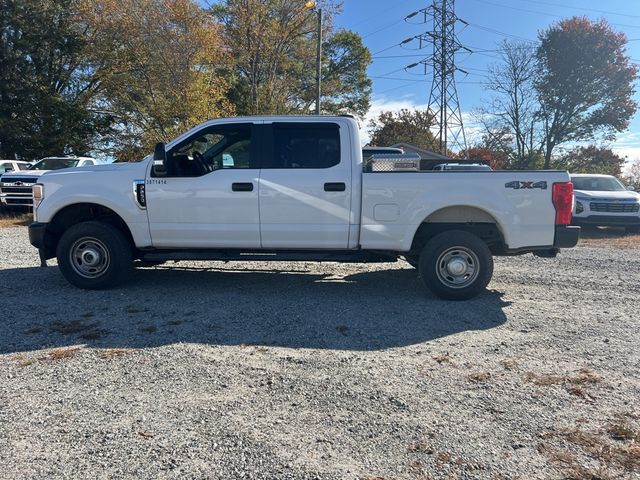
(371, 310)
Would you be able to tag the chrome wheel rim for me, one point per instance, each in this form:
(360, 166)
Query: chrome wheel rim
(89, 257)
(457, 267)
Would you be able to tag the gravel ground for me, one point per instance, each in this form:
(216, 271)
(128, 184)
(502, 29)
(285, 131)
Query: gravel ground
(301, 371)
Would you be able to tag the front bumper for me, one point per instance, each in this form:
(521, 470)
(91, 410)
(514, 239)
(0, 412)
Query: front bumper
(566, 236)
(608, 220)
(37, 232)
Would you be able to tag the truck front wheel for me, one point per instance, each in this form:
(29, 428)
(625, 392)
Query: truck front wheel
(456, 265)
(94, 256)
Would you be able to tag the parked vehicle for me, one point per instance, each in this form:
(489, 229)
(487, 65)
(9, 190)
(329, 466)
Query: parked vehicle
(293, 188)
(16, 187)
(602, 201)
(12, 165)
(368, 151)
(469, 167)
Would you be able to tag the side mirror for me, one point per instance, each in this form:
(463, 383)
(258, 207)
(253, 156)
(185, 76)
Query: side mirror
(631, 188)
(159, 160)
(8, 169)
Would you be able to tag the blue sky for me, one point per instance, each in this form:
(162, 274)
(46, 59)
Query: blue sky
(381, 24)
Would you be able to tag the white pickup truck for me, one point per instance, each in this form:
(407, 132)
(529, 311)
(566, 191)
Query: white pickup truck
(295, 188)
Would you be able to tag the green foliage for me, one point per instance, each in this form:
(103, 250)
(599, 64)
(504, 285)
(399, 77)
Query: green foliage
(404, 126)
(590, 159)
(273, 47)
(159, 61)
(47, 95)
(345, 83)
(584, 82)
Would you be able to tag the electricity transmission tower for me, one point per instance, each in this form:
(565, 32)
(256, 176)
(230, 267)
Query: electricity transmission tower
(443, 99)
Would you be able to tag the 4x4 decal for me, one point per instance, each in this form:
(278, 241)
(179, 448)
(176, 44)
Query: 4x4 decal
(519, 185)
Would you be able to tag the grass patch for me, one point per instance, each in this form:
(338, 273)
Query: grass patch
(24, 361)
(15, 219)
(62, 353)
(442, 358)
(509, 363)
(110, 353)
(479, 376)
(576, 385)
(609, 237)
(606, 453)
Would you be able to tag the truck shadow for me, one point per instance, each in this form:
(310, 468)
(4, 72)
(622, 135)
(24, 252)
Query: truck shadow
(303, 308)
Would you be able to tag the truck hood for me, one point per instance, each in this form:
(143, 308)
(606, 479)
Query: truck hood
(622, 196)
(24, 174)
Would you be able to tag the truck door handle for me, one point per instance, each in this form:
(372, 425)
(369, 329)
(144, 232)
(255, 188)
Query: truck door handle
(242, 187)
(335, 187)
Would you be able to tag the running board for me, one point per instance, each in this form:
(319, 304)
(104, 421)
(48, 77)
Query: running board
(348, 256)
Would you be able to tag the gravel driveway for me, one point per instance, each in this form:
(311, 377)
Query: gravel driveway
(301, 371)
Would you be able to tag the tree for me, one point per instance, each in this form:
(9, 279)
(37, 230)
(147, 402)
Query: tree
(591, 159)
(632, 176)
(584, 82)
(497, 160)
(47, 92)
(511, 116)
(404, 126)
(160, 64)
(273, 47)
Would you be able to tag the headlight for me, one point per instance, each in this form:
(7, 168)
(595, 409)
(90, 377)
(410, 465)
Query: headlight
(38, 195)
(579, 207)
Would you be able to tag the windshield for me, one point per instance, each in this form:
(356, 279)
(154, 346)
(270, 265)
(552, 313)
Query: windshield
(597, 184)
(54, 163)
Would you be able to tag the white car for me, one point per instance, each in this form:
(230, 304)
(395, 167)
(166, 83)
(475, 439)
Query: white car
(295, 188)
(16, 187)
(469, 167)
(12, 166)
(601, 200)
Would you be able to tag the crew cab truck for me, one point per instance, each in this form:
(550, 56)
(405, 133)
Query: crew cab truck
(294, 188)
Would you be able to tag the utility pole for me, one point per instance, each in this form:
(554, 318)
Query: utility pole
(443, 98)
(319, 62)
(311, 4)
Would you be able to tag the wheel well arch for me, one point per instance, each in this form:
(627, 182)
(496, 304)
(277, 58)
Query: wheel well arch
(82, 212)
(467, 218)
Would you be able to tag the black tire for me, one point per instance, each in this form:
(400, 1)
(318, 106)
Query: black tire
(94, 256)
(449, 252)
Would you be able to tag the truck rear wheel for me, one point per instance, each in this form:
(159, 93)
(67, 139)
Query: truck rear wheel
(456, 265)
(94, 256)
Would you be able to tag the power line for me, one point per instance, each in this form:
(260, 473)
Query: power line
(625, 25)
(586, 9)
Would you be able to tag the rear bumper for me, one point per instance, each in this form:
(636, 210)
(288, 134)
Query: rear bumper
(566, 236)
(608, 220)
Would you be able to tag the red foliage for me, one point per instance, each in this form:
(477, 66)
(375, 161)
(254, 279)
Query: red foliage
(496, 160)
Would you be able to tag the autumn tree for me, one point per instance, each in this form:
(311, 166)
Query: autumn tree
(273, 47)
(404, 126)
(591, 159)
(584, 82)
(511, 115)
(48, 94)
(496, 159)
(160, 64)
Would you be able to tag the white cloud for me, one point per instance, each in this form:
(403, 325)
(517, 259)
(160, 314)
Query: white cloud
(382, 104)
(379, 105)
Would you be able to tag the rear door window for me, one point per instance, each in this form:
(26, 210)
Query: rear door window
(305, 146)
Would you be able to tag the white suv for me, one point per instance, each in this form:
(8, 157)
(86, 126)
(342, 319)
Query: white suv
(601, 200)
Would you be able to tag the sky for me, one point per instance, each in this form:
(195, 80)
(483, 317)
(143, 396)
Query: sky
(381, 24)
